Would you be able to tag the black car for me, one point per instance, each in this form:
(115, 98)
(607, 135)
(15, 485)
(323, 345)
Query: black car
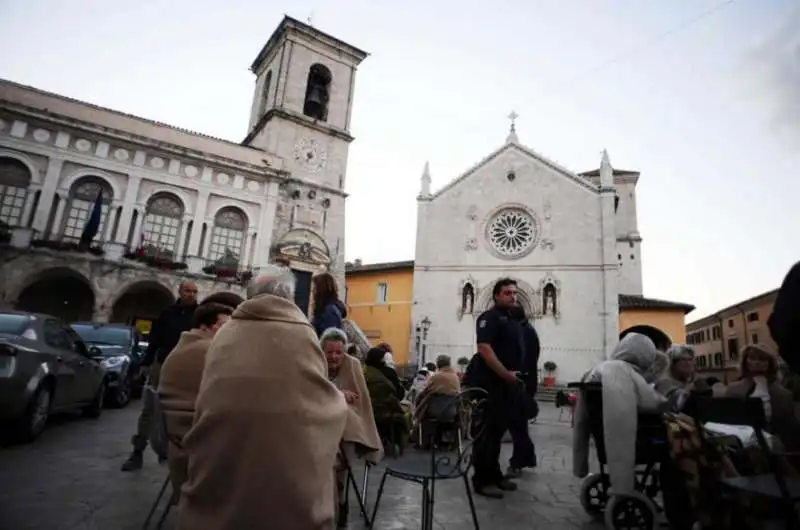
(44, 368)
(115, 346)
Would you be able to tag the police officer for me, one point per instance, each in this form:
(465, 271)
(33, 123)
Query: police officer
(501, 348)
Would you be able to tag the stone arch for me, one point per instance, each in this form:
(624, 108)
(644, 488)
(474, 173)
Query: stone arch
(525, 296)
(176, 192)
(19, 157)
(304, 245)
(141, 299)
(59, 291)
(225, 298)
(235, 206)
(69, 181)
(658, 336)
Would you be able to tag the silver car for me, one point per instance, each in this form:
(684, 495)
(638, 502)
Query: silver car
(45, 367)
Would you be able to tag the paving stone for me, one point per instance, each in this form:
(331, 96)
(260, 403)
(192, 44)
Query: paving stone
(70, 479)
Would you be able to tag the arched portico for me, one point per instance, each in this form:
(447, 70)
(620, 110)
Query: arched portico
(228, 299)
(144, 300)
(661, 339)
(58, 291)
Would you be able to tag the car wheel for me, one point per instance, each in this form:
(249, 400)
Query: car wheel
(95, 408)
(36, 414)
(122, 394)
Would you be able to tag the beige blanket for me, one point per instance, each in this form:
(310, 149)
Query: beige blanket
(177, 389)
(267, 427)
(360, 428)
(444, 382)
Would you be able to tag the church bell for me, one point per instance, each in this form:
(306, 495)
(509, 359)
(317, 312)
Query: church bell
(316, 102)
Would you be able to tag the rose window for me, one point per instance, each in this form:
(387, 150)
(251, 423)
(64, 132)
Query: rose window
(512, 233)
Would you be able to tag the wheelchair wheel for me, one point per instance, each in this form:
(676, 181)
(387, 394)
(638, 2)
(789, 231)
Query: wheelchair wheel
(625, 512)
(594, 495)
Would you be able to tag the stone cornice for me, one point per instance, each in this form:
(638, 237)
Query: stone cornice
(299, 119)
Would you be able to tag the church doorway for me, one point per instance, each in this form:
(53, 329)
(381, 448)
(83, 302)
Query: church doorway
(661, 339)
(142, 301)
(302, 289)
(60, 292)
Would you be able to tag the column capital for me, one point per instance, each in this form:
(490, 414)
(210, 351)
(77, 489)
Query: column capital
(187, 217)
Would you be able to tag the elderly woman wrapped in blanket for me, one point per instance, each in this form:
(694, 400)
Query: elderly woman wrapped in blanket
(626, 378)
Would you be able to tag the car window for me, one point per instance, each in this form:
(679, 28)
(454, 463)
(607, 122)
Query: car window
(76, 344)
(56, 336)
(14, 324)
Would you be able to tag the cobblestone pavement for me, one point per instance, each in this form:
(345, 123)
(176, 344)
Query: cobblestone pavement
(70, 479)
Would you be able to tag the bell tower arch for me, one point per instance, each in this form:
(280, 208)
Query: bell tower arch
(303, 101)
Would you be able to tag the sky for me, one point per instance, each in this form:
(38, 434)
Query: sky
(701, 96)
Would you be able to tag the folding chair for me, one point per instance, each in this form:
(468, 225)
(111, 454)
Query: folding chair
(361, 496)
(775, 486)
(159, 441)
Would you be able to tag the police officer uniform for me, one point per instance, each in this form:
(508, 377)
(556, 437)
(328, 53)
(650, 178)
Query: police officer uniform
(504, 333)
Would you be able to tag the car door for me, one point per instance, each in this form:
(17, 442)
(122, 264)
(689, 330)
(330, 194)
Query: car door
(88, 373)
(64, 362)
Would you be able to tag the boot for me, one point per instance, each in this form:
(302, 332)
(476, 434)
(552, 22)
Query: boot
(134, 462)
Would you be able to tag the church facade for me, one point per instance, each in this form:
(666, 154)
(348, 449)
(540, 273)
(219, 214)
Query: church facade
(571, 242)
(176, 204)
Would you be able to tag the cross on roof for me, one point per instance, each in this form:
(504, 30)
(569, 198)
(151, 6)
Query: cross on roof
(513, 117)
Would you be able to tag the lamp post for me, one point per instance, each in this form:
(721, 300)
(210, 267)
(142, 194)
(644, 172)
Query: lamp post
(425, 324)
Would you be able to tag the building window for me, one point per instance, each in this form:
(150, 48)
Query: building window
(754, 338)
(730, 322)
(383, 293)
(14, 181)
(715, 333)
(162, 224)
(267, 85)
(707, 334)
(752, 317)
(733, 349)
(81, 202)
(227, 237)
(317, 92)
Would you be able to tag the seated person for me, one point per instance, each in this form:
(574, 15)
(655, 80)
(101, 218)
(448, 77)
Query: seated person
(418, 385)
(439, 388)
(360, 438)
(680, 379)
(389, 414)
(626, 379)
(181, 374)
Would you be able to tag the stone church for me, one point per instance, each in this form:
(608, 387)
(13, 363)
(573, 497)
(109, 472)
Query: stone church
(570, 240)
(176, 204)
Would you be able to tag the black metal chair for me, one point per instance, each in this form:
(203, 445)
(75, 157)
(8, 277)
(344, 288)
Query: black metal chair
(159, 441)
(361, 496)
(426, 468)
(776, 486)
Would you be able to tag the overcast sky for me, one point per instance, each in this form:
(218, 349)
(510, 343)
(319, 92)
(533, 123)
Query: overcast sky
(701, 96)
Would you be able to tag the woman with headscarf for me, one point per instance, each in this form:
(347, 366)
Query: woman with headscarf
(390, 417)
(360, 438)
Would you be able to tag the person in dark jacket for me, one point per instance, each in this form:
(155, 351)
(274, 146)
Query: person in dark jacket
(329, 311)
(524, 453)
(784, 322)
(164, 335)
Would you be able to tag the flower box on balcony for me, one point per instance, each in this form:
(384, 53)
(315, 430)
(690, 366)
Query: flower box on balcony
(67, 246)
(159, 262)
(228, 273)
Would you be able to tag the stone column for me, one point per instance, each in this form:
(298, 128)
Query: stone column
(207, 243)
(197, 228)
(111, 218)
(49, 186)
(137, 229)
(55, 230)
(128, 205)
(26, 210)
(179, 255)
(244, 262)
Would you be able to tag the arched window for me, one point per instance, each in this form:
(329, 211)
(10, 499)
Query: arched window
(227, 237)
(14, 180)
(82, 197)
(162, 225)
(265, 93)
(317, 92)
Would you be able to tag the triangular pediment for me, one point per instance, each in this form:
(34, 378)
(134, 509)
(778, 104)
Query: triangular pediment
(526, 152)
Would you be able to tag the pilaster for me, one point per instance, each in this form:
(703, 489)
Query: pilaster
(197, 227)
(49, 186)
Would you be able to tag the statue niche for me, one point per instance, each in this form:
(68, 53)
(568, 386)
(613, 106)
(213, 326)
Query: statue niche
(467, 299)
(549, 300)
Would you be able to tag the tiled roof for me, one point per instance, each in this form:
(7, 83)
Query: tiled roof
(630, 301)
(376, 267)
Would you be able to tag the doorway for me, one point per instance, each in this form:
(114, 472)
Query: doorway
(302, 290)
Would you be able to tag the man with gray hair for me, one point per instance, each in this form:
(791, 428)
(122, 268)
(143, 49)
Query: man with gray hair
(268, 422)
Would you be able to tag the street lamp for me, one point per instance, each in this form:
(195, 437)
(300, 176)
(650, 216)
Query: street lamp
(425, 325)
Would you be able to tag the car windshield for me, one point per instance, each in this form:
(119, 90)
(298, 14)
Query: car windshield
(97, 335)
(13, 324)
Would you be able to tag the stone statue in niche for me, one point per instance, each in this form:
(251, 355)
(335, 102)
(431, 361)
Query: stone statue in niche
(467, 299)
(549, 300)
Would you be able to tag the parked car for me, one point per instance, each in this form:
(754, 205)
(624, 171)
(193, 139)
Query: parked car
(115, 346)
(45, 368)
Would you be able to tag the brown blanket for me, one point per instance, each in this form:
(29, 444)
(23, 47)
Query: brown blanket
(444, 382)
(177, 389)
(360, 428)
(267, 427)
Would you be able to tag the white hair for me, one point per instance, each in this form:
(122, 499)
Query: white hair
(279, 282)
(332, 335)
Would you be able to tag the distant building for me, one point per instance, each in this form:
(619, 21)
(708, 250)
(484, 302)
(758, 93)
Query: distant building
(176, 204)
(718, 338)
(379, 299)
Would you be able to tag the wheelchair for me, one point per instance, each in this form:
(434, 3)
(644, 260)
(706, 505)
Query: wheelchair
(652, 449)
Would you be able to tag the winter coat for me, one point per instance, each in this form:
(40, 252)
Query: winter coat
(784, 322)
(331, 315)
(166, 331)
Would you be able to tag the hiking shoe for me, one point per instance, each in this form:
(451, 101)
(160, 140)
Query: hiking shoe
(134, 462)
(492, 492)
(507, 485)
(514, 472)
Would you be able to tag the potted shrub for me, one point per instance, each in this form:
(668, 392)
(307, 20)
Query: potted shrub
(549, 370)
